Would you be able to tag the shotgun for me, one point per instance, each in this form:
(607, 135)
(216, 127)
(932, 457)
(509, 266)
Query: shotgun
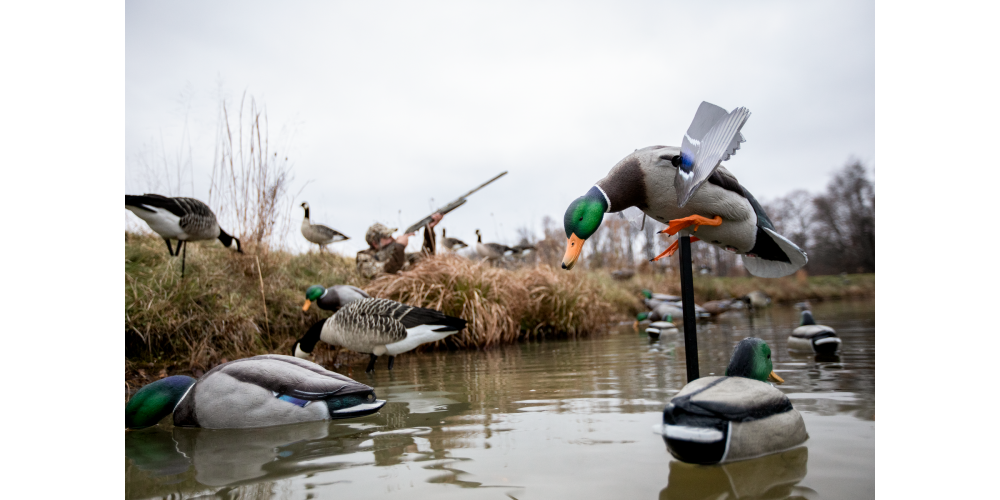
(451, 206)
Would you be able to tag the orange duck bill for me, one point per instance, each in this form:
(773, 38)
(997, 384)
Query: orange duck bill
(574, 245)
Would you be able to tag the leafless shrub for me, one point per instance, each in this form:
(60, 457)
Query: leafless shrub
(250, 182)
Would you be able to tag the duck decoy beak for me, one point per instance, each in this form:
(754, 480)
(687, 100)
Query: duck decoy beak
(773, 377)
(574, 245)
(305, 307)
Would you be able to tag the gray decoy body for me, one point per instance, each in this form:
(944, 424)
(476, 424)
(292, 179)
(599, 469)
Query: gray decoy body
(334, 297)
(261, 391)
(181, 219)
(452, 244)
(809, 336)
(734, 417)
(491, 251)
(318, 233)
(379, 327)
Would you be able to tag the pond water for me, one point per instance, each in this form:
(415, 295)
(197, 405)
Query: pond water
(544, 420)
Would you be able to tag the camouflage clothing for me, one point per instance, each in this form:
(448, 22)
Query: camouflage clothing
(389, 259)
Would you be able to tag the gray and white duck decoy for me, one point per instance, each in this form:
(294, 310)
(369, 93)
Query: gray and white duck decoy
(318, 233)
(452, 244)
(333, 298)
(686, 189)
(181, 219)
(735, 417)
(252, 392)
(491, 251)
(379, 327)
(811, 337)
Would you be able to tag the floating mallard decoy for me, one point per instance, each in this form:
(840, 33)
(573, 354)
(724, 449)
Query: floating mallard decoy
(491, 251)
(735, 417)
(181, 219)
(318, 233)
(379, 327)
(717, 307)
(809, 336)
(252, 392)
(657, 328)
(661, 297)
(333, 298)
(682, 188)
(453, 244)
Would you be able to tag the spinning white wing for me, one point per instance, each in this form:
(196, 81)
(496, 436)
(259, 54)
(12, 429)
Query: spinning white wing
(713, 137)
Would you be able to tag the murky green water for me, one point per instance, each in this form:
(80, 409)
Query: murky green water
(555, 419)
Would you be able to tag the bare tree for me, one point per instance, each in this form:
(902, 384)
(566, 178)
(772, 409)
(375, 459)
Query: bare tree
(844, 235)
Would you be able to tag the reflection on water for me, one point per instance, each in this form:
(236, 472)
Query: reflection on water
(552, 419)
(772, 477)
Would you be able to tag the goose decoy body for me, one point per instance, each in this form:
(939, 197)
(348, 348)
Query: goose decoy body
(734, 417)
(252, 392)
(379, 327)
(491, 251)
(333, 298)
(809, 336)
(452, 244)
(680, 187)
(756, 300)
(524, 249)
(318, 233)
(181, 219)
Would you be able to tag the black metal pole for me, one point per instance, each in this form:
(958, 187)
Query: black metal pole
(690, 321)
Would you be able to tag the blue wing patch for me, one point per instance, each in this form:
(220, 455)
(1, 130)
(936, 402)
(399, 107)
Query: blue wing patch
(295, 401)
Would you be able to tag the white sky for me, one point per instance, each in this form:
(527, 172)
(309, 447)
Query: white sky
(385, 106)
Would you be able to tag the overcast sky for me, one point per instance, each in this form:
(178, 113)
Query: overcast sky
(385, 106)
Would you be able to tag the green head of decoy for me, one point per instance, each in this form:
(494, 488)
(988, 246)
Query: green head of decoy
(153, 402)
(647, 294)
(752, 359)
(312, 293)
(641, 316)
(581, 221)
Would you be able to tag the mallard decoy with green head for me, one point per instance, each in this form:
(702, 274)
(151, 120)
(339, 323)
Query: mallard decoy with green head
(252, 392)
(682, 188)
(334, 297)
(379, 327)
(734, 417)
(811, 337)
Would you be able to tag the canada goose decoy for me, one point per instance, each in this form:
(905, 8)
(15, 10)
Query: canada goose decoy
(523, 250)
(182, 219)
(252, 392)
(756, 300)
(333, 298)
(809, 336)
(452, 244)
(379, 327)
(717, 307)
(491, 251)
(318, 233)
(734, 417)
(669, 184)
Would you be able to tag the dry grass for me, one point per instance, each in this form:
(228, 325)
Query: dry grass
(228, 305)
(501, 306)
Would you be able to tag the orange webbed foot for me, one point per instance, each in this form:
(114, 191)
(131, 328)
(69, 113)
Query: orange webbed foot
(674, 226)
(672, 249)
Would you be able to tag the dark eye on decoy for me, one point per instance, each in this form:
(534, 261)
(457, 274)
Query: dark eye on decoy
(676, 161)
(581, 219)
